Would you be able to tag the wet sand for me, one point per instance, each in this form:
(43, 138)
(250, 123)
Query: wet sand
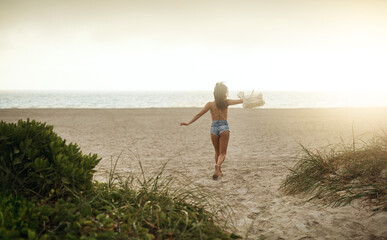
(263, 145)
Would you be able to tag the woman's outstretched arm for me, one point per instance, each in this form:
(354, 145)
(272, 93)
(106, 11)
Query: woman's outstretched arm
(197, 116)
(233, 102)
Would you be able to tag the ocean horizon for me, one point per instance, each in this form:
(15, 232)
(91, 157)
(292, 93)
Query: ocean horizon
(182, 99)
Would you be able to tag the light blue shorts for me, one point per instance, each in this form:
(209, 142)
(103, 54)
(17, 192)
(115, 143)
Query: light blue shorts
(219, 126)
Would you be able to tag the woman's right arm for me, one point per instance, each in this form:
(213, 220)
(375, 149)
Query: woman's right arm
(234, 101)
(197, 116)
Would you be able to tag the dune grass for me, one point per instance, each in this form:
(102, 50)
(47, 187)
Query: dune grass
(341, 174)
(155, 207)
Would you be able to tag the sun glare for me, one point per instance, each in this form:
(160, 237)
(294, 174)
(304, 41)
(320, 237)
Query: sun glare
(162, 50)
(198, 68)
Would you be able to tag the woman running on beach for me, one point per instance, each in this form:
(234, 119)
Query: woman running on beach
(220, 131)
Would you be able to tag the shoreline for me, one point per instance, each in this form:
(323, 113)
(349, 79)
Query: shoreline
(263, 145)
(231, 107)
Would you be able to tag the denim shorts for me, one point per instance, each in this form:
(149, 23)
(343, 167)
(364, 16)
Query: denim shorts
(219, 126)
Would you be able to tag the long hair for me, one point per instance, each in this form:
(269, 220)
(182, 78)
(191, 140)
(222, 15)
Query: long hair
(220, 95)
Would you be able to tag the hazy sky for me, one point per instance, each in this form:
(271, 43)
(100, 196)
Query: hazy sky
(186, 45)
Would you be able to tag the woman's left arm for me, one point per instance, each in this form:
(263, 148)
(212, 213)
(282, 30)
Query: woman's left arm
(233, 102)
(197, 116)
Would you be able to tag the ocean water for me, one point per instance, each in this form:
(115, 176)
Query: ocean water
(163, 99)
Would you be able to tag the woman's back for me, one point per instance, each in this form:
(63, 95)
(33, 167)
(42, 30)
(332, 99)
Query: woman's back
(216, 113)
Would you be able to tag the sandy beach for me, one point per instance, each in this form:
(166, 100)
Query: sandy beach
(263, 145)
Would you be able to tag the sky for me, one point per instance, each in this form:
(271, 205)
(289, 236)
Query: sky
(287, 45)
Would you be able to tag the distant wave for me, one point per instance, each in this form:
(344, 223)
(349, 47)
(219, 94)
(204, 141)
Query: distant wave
(165, 99)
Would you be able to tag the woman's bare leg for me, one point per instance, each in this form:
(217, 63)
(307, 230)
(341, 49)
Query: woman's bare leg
(216, 157)
(223, 144)
(220, 145)
(215, 142)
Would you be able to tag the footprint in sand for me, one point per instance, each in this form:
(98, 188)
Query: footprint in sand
(253, 215)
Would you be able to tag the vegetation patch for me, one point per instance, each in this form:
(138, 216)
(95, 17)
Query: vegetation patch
(47, 192)
(35, 161)
(338, 175)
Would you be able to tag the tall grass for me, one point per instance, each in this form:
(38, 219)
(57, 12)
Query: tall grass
(338, 175)
(155, 208)
(123, 207)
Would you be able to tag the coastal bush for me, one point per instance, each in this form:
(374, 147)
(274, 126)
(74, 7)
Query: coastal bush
(17, 218)
(337, 176)
(36, 161)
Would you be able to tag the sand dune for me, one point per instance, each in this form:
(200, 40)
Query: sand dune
(262, 146)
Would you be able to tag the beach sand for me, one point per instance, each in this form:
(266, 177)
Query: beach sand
(263, 145)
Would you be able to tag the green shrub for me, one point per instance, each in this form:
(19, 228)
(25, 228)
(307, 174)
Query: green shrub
(18, 219)
(36, 161)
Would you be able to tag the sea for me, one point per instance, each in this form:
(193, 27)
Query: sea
(183, 99)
